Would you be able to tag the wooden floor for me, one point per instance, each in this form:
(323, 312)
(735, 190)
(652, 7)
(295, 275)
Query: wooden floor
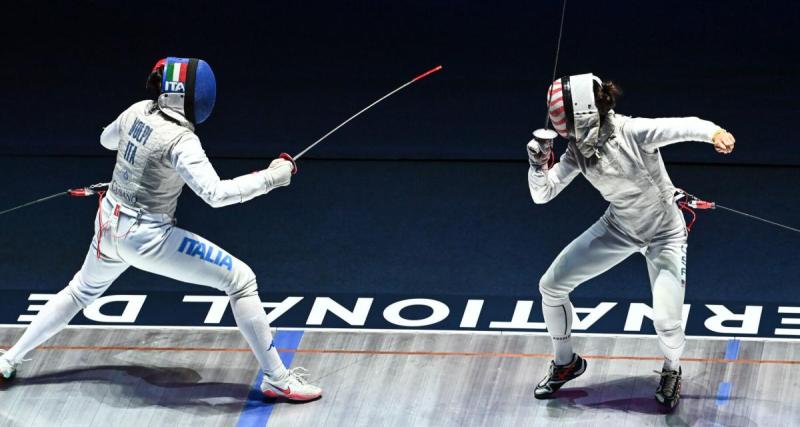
(127, 377)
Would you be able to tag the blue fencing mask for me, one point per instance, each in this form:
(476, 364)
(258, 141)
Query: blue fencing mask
(188, 88)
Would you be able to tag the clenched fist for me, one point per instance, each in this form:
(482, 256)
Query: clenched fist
(281, 172)
(540, 148)
(724, 142)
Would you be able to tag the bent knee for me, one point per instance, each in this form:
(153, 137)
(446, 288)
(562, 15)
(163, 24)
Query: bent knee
(243, 284)
(667, 326)
(552, 294)
(82, 292)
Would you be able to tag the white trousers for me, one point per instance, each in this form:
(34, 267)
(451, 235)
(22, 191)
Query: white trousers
(153, 244)
(603, 246)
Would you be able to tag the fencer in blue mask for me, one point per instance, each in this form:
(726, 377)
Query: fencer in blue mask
(157, 153)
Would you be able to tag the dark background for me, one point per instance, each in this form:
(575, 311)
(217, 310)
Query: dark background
(289, 71)
(428, 190)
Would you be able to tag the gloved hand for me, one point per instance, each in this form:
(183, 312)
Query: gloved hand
(540, 148)
(281, 172)
(286, 156)
(539, 153)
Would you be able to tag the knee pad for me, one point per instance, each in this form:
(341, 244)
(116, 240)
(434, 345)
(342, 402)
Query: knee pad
(244, 283)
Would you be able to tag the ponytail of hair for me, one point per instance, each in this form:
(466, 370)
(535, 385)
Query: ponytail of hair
(606, 95)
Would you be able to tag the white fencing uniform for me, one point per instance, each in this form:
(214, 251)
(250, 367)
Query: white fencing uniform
(135, 227)
(148, 178)
(150, 242)
(642, 217)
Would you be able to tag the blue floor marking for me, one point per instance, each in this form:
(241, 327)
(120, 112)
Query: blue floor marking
(257, 410)
(723, 393)
(724, 390)
(732, 351)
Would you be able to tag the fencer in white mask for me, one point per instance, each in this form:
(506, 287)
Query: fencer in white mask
(158, 153)
(620, 157)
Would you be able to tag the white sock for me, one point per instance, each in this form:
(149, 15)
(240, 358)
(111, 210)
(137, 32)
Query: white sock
(672, 343)
(559, 324)
(52, 318)
(252, 322)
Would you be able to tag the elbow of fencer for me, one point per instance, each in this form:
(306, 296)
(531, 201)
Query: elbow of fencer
(220, 194)
(540, 201)
(108, 145)
(539, 198)
(215, 202)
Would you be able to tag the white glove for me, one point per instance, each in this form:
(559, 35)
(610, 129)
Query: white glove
(281, 172)
(540, 148)
(539, 154)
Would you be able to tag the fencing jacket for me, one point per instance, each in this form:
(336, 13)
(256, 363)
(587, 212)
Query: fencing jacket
(628, 171)
(156, 155)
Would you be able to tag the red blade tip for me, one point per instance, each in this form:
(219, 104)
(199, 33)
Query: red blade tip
(427, 73)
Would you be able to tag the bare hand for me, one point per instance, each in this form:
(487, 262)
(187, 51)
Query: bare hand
(724, 142)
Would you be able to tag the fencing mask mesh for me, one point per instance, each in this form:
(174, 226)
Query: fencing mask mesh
(573, 111)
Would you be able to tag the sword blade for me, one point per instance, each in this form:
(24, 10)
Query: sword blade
(419, 77)
(758, 218)
(63, 193)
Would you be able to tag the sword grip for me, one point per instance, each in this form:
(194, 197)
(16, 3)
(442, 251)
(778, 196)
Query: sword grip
(702, 204)
(287, 157)
(79, 192)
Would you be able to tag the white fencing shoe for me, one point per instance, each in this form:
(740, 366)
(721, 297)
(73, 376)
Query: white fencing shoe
(8, 369)
(293, 386)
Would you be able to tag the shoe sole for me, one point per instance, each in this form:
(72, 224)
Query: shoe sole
(293, 397)
(667, 405)
(558, 387)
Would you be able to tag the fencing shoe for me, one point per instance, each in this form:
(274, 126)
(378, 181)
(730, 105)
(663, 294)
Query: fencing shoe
(558, 375)
(669, 388)
(8, 369)
(293, 386)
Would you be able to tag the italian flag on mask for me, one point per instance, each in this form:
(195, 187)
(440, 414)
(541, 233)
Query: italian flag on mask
(176, 71)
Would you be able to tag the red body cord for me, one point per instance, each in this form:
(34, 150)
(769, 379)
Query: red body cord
(100, 196)
(685, 207)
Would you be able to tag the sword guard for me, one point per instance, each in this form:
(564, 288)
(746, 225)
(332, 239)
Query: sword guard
(287, 157)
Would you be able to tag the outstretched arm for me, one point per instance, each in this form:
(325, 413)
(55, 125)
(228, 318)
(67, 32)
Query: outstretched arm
(652, 134)
(545, 183)
(190, 161)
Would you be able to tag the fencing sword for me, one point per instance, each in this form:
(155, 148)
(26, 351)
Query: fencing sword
(297, 156)
(546, 136)
(101, 187)
(695, 202)
(72, 192)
